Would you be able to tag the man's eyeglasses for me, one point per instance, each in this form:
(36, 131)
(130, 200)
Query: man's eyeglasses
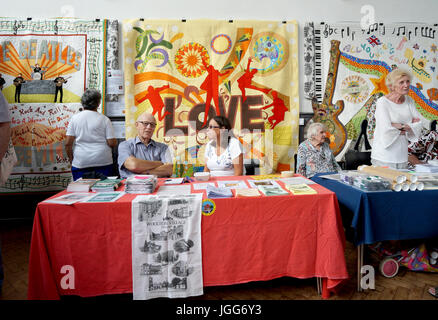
(145, 123)
(213, 127)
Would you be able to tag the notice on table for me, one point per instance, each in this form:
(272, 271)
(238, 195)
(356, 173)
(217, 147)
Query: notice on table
(166, 246)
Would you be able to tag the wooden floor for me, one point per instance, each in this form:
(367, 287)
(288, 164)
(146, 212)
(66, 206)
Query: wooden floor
(407, 285)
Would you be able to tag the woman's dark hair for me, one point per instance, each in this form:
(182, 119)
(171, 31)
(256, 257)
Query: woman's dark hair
(222, 122)
(91, 99)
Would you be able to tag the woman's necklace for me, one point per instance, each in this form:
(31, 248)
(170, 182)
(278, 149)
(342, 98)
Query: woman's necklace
(221, 151)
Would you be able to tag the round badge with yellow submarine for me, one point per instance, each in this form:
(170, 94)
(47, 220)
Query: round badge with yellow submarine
(208, 207)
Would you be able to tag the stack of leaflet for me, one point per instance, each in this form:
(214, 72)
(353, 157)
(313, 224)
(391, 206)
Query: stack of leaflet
(107, 185)
(301, 188)
(365, 182)
(141, 184)
(81, 185)
(426, 167)
(215, 192)
(251, 192)
(371, 183)
(272, 190)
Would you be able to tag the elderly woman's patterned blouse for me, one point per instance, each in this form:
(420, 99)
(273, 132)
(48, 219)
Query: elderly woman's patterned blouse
(311, 160)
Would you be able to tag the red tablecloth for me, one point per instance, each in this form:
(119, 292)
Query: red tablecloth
(245, 239)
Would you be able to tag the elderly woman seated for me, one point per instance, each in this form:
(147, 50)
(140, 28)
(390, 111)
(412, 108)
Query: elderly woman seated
(314, 154)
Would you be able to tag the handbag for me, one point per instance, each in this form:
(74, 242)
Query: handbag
(355, 158)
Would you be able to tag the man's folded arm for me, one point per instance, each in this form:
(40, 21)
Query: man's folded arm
(164, 170)
(136, 165)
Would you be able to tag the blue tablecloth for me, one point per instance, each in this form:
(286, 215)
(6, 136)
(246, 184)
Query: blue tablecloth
(386, 215)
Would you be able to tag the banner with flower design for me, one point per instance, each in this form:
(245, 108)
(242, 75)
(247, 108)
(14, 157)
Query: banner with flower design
(45, 66)
(245, 70)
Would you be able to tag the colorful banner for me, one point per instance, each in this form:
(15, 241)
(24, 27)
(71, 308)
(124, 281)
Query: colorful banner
(349, 65)
(244, 70)
(47, 65)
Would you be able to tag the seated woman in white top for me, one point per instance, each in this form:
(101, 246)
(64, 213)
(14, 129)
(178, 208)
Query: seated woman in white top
(397, 123)
(224, 153)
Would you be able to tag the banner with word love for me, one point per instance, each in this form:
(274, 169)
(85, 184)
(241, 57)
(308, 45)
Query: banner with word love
(185, 72)
(46, 66)
(348, 66)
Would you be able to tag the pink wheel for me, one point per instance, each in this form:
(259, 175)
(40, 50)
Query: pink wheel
(389, 267)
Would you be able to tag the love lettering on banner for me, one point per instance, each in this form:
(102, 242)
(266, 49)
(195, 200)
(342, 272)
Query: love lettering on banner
(46, 66)
(246, 71)
(349, 65)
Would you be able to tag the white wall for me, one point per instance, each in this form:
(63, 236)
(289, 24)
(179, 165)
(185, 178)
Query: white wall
(300, 10)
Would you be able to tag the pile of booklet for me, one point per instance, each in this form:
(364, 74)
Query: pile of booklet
(141, 184)
(215, 192)
(301, 188)
(272, 190)
(107, 185)
(426, 167)
(250, 192)
(81, 185)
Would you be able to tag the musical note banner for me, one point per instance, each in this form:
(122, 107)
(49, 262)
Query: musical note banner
(246, 71)
(348, 66)
(46, 66)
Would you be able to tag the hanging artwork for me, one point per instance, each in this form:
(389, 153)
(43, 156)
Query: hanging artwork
(186, 72)
(47, 65)
(349, 65)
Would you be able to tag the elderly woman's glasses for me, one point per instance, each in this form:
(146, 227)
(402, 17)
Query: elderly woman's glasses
(148, 124)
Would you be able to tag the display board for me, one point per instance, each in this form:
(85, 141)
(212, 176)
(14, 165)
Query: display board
(345, 68)
(244, 70)
(47, 65)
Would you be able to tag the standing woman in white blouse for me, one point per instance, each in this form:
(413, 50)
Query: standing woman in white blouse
(397, 123)
(90, 138)
(223, 153)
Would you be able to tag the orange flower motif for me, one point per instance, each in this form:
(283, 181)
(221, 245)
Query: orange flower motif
(189, 60)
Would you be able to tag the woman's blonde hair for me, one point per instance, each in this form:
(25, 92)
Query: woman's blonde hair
(394, 76)
(313, 129)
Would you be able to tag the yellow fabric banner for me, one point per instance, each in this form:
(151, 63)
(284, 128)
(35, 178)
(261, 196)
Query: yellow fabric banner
(244, 70)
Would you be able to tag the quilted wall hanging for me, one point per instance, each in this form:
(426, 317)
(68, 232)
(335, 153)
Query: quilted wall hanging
(46, 66)
(244, 70)
(345, 68)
